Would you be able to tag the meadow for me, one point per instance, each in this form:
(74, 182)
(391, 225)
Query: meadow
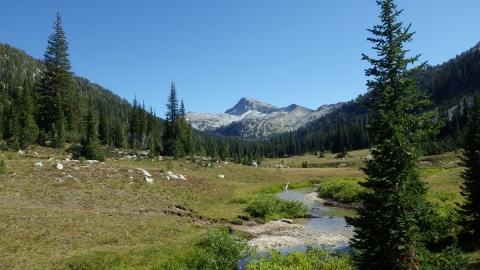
(104, 215)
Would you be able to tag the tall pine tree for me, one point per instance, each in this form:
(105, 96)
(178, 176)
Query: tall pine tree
(470, 190)
(55, 91)
(388, 229)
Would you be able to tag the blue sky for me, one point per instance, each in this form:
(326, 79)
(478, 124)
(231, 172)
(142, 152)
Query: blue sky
(218, 51)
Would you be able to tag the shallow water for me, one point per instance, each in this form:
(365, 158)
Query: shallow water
(315, 208)
(331, 220)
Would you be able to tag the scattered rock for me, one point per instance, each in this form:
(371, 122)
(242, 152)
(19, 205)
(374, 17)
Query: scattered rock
(172, 175)
(21, 152)
(39, 164)
(148, 179)
(59, 166)
(144, 172)
(91, 161)
(51, 159)
(221, 176)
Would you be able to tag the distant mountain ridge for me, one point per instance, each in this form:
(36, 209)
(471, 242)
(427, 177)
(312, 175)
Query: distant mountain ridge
(251, 118)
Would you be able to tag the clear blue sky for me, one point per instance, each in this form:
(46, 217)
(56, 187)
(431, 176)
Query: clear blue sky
(218, 51)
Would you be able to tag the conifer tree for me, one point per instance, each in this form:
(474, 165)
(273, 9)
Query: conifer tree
(388, 229)
(90, 142)
(28, 127)
(470, 209)
(170, 133)
(56, 87)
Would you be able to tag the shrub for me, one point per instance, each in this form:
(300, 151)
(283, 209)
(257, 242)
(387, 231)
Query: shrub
(264, 206)
(312, 259)
(270, 207)
(343, 190)
(236, 221)
(292, 209)
(218, 251)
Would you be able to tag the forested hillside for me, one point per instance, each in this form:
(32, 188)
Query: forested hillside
(136, 126)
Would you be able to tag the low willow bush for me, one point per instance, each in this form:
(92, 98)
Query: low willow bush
(218, 250)
(343, 189)
(269, 206)
(312, 259)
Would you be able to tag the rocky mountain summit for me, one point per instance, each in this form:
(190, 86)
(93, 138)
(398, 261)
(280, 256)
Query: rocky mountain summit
(251, 118)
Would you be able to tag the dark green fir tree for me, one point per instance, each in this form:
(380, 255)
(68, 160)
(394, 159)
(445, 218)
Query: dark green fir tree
(90, 143)
(170, 134)
(56, 88)
(391, 227)
(470, 209)
(28, 127)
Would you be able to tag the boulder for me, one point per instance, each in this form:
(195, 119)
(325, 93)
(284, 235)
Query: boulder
(144, 172)
(59, 166)
(221, 176)
(172, 175)
(39, 164)
(254, 164)
(148, 179)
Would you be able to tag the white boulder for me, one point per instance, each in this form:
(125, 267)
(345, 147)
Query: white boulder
(144, 172)
(59, 166)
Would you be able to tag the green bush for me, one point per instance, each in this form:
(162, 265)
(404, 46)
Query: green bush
(312, 259)
(343, 190)
(269, 206)
(236, 221)
(218, 251)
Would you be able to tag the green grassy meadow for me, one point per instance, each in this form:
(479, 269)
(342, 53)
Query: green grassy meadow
(105, 216)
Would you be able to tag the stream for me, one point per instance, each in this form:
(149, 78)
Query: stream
(329, 220)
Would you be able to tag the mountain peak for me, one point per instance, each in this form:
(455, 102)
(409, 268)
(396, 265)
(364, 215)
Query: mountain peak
(248, 104)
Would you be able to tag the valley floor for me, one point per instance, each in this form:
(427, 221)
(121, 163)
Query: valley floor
(104, 214)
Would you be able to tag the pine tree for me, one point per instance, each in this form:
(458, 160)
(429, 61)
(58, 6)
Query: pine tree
(388, 229)
(90, 142)
(170, 133)
(470, 209)
(56, 87)
(28, 127)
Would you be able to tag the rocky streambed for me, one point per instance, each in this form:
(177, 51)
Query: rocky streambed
(327, 230)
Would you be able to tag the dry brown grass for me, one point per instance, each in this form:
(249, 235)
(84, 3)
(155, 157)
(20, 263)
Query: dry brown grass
(106, 214)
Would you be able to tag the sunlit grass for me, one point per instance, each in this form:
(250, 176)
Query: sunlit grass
(105, 215)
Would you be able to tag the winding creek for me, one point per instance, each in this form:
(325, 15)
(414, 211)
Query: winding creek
(331, 220)
(328, 230)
